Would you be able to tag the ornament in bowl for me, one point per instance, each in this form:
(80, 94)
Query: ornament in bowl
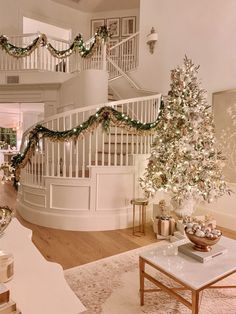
(6, 215)
(202, 236)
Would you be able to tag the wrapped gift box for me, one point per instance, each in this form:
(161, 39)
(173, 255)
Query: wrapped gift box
(164, 227)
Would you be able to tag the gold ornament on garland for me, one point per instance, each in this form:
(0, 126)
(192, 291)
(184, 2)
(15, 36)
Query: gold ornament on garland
(8, 172)
(6, 215)
(105, 116)
(85, 49)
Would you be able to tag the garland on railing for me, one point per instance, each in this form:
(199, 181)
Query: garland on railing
(78, 44)
(105, 116)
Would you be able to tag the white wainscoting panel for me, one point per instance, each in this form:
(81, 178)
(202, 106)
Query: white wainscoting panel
(69, 197)
(101, 202)
(114, 190)
(33, 197)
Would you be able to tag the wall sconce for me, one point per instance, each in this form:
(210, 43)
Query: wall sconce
(152, 39)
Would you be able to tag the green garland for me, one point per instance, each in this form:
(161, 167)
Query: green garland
(106, 116)
(78, 44)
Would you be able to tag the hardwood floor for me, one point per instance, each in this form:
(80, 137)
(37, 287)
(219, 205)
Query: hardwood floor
(73, 248)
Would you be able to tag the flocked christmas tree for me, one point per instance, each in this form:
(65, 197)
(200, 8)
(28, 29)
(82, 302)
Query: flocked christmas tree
(184, 158)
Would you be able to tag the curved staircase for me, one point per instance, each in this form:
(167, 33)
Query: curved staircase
(87, 184)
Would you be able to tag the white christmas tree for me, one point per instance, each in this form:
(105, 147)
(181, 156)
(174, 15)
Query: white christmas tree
(184, 158)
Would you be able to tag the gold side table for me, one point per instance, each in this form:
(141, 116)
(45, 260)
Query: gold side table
(142, 203)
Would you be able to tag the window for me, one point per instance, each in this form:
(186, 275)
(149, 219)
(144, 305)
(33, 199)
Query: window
(7, 137)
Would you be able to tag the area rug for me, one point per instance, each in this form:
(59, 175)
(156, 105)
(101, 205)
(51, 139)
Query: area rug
(111, 286)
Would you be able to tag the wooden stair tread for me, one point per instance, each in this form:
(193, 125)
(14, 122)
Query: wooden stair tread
(112, 153)
(119, 143)
(125, 134)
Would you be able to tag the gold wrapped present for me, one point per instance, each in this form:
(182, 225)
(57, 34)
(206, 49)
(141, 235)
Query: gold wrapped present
(164, 226)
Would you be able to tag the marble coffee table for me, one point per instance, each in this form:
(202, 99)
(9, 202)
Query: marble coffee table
(186, 271)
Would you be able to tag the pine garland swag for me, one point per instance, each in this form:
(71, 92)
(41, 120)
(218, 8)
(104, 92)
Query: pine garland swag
(102, 34)
(106, 116)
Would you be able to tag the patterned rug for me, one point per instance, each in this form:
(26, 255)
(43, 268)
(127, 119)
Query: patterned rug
(111, 286)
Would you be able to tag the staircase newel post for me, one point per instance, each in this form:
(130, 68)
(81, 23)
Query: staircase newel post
(104, 56)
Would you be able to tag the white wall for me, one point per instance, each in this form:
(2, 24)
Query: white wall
(12, 12)
(87, 88)
(35, 26)
(204, 30)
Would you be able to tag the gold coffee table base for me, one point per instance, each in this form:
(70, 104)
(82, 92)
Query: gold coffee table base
(194, 306)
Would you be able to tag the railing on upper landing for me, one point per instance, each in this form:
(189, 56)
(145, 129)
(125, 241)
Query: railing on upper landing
(74, 159)
(42, 60)
(123, 55)
(39, 59)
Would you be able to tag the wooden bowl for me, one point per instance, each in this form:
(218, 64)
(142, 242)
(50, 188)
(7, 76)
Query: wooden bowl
(202, 244)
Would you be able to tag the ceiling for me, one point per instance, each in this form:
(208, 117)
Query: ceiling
(100, 5)
(11, 114)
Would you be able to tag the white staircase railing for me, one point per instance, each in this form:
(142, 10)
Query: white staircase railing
(121, 57)
(74, 159)
(124, 55)
(120, 72)
(41, 59)
(97, 61)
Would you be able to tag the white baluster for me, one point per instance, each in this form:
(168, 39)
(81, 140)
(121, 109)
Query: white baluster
(77, 150)
(64, 150)
(90, 148)
(109, 149)
(96, 147)
(83, 152)
(127, 148)
(71, 148)
(103, 148)
(115, 149)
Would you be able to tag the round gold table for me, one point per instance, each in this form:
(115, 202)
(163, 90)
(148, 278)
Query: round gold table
(141, 203)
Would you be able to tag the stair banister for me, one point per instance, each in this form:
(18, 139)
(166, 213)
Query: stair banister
(124, 41)
(71, 159)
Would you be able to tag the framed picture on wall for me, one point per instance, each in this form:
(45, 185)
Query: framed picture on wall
(128, 25)
(114, 26)
(95, 24)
